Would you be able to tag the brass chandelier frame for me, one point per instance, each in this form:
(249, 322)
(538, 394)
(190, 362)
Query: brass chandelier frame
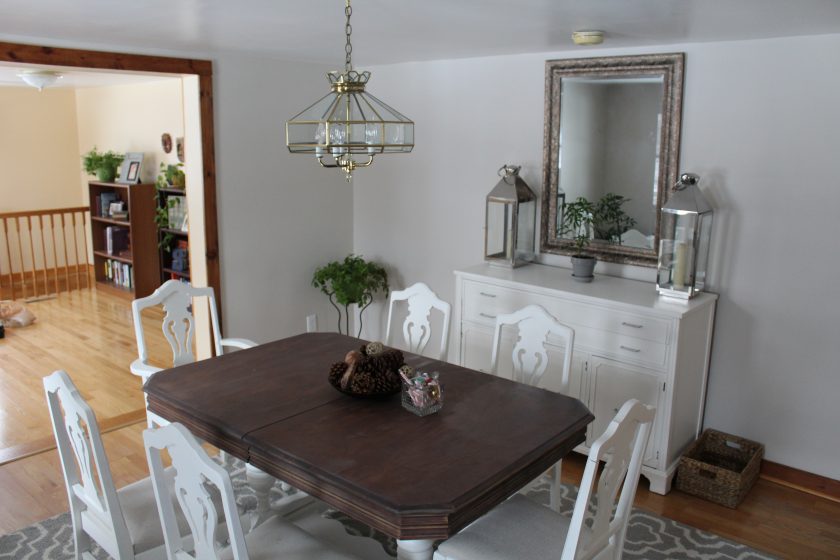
(333, 129)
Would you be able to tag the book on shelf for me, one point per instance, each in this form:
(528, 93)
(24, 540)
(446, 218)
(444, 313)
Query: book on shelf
(119, 273)
(117, 240)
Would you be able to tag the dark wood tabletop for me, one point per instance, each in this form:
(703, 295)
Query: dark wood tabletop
(410, 477)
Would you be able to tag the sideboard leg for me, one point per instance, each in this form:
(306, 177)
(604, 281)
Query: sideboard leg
(261, 482)
(660, 482)
(415, 549)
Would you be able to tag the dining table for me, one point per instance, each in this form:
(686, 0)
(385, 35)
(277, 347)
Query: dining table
(418, 479)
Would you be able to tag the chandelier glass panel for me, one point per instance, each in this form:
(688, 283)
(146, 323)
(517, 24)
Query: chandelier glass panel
(348, 126)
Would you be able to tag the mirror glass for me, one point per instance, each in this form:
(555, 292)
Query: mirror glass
(612, 137)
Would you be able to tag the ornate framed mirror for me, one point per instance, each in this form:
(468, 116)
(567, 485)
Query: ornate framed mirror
(612, 135)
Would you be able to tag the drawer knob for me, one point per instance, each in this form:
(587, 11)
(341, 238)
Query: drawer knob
(631, 325)
(630, 349)
(488, 316)
(485, 294)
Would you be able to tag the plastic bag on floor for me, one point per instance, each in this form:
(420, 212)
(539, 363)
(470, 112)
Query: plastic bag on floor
(13, 314)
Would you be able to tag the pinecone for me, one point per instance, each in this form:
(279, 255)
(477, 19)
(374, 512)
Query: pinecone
(362, 384)
(374, 375)
(336, 371)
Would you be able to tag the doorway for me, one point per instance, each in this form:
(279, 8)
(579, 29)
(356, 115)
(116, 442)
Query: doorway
(99, 347)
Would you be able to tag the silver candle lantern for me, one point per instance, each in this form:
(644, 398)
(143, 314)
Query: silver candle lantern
(510, 220)
(685, 233)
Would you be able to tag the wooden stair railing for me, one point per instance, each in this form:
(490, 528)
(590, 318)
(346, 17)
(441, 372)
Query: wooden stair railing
(62, 264)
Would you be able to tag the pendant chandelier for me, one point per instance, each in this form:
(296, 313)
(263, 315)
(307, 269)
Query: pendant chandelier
(348, 126)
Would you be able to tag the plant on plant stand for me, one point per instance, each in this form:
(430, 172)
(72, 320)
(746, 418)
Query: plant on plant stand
(611, 222)
(578, 217)
(353, 280)
(102, 164)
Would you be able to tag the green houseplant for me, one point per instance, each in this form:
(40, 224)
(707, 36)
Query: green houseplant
(578, 218)
(170, 175)
(102, 164)
(353, 280)
(611, 222)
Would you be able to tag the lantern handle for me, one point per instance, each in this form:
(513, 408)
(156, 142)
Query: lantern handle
(685, 180)
(506, 171)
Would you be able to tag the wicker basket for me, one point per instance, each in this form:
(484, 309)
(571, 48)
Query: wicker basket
(720, 468)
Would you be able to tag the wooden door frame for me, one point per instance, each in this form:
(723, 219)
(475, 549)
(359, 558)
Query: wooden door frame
(34, 54)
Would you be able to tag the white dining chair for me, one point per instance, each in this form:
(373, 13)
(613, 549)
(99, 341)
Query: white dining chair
(197, 478)
(530, 359)
(177, 299)
(523, 529)
(123, 522)
(417, 329)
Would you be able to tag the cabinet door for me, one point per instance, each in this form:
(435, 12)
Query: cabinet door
(614, 383)
(477, 348)
(476, 345)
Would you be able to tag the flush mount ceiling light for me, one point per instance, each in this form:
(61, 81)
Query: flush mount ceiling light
(349, 123)
(39, 78)
(588, 37)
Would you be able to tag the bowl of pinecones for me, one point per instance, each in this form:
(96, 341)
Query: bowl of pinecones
(371, 371)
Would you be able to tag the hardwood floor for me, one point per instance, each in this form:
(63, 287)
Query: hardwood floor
(90, 335)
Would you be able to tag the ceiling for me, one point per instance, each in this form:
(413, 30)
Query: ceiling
(391, 31)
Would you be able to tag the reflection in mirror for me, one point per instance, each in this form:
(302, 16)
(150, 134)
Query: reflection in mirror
(612, 137)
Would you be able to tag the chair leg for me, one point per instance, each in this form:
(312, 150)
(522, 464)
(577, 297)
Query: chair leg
(556, 484)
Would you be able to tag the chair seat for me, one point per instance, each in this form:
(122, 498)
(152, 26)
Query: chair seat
(518, 528)
(277, 538)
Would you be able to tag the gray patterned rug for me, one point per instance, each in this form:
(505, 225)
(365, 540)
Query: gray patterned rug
(649, 537)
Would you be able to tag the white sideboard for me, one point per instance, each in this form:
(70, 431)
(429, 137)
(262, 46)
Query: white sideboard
(629, 343)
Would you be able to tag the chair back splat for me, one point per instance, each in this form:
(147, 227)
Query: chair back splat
(417, 329)
(530, 357)
(196, 476)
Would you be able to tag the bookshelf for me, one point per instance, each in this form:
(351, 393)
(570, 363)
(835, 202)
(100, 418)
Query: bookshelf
(125, 252)
(173, 241)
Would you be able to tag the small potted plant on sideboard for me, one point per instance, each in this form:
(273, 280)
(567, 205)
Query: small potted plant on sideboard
(577, 222)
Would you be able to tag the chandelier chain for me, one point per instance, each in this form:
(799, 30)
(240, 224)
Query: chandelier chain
(348, 30)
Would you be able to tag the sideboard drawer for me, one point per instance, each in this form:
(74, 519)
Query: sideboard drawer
(483, 302)
(625, 348)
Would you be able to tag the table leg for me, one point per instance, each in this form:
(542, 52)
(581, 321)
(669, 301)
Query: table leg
(261, 482)
(415, 550)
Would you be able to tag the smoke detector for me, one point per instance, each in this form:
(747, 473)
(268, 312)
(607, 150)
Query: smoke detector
(588, 37)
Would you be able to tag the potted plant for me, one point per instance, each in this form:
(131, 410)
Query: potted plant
(611, 222)
(578, 217)
(353, 280)
(171, 175)
(102, 164)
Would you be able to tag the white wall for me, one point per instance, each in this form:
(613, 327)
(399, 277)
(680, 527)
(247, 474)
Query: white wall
(760, 126)
(39, 149)
(131, 118)
(39, 170)
(280, 215)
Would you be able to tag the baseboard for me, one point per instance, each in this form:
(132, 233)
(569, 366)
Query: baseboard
(30, 448)
(815, 484)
